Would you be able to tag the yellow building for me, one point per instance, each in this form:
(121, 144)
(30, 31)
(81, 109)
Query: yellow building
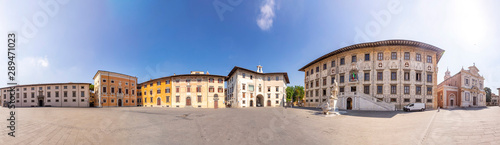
(114, 89)
(198, 90)
(156, 93)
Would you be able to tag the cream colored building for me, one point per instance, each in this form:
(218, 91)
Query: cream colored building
(198, 90)
(50, 95)
(383, 75)
(247, 88)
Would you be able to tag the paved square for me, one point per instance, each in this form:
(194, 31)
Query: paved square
(249, 126)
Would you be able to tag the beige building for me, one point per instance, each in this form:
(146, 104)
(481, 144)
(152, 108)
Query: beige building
(49, 95)
(494, 100)
(464, 89)
(114, 89)
(383, 75)
(198, 90)
(247, 88)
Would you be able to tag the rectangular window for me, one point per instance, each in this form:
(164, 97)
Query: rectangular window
(277, 96)
(342, 61)
(277, 78)
(353, 89)
(333, 64)
(82, 94)
(394, 55)
(332, 79)
(380, 76)
(418, 100)
(367, 57)
(250, 88)
(341, 89)
(158, 91)
(317, 83)
(48, 95)
(379, 89)
(324, 92)
(324, 66)
(407, 55)
(429, 78)
(65, 93)
(418, 90)
(198, 89)
(366, 89)
(429, 90)
(57, 94)
(407, 89)
(211, 89)
(317, 69)
(393, 100)
(158, 83)
(394, 76)
(177, 98)
(243, 86)
(324, 81)
(407, 100)
(429, 100)
(199, 98)
(278, 89)
(353, 59)
(177, 89)
(341, 78)
(188, 89)
(418, 58)
(168, 99)
(167, 82)
(418, 76)
(393, 89)
(429, 59)
(380, 56)
(312, 71)
(166, 90)
(367, 76)
(407, 76)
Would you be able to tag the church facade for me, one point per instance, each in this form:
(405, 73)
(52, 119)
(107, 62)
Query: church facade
(464, 89)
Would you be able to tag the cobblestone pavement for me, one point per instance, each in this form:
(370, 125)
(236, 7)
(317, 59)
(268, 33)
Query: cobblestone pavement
(137, 125)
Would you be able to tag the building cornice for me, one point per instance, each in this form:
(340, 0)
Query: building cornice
(379, 43)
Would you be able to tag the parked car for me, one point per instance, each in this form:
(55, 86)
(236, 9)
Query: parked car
(414, 106)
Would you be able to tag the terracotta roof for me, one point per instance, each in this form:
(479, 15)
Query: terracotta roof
(237, 67)
(379, 43)
(111, 72)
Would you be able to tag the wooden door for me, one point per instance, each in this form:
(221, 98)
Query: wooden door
(188, 101)
(216, 104)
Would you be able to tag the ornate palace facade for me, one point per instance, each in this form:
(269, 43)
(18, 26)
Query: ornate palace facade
(383, 75)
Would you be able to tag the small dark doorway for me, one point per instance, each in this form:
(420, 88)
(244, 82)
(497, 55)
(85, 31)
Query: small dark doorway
(158, 101)
(259, 101)
(451, 103)
(349, 103)
(119, 102)
(268, 102)
(188, 101)
(474, 101)
(40, 103)
(251, 103)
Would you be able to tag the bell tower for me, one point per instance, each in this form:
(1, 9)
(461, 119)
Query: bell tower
(259, 69)
(447, 74)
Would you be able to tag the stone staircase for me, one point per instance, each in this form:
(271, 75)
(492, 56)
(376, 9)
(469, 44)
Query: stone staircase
(373, 104)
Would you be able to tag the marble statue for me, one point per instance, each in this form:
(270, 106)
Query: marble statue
(333, 97)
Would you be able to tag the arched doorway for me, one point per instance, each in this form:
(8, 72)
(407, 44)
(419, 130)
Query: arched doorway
(452, 100)
(40, 103)
(268, 103)
(216, 101)
(349, 103)
(188, 101)
(158, 101)
(259, 101)
(251, 103)
(119, 102)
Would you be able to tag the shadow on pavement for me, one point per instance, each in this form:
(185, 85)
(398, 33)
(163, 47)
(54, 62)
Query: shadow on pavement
(359, 113)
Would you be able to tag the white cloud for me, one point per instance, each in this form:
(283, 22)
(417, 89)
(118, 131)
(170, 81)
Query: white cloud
(265, 18)
(43, 62)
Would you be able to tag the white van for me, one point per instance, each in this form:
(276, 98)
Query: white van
(414, 106)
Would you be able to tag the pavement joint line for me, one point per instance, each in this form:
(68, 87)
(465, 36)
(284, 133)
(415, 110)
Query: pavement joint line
(426, 131)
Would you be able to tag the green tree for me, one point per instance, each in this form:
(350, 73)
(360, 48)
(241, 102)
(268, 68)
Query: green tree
(488, 94)
(299, 93)
(91, 87)
(290, 93)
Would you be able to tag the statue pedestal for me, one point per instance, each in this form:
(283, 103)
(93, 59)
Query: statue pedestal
(330, 111)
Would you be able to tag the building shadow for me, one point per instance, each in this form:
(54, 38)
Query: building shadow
(359, 113)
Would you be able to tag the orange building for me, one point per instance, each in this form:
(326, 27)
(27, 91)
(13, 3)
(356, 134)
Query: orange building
(114, 89)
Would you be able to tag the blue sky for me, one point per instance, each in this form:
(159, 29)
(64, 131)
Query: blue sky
(72, 39)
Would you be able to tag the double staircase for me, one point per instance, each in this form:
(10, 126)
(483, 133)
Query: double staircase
(376, 105)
